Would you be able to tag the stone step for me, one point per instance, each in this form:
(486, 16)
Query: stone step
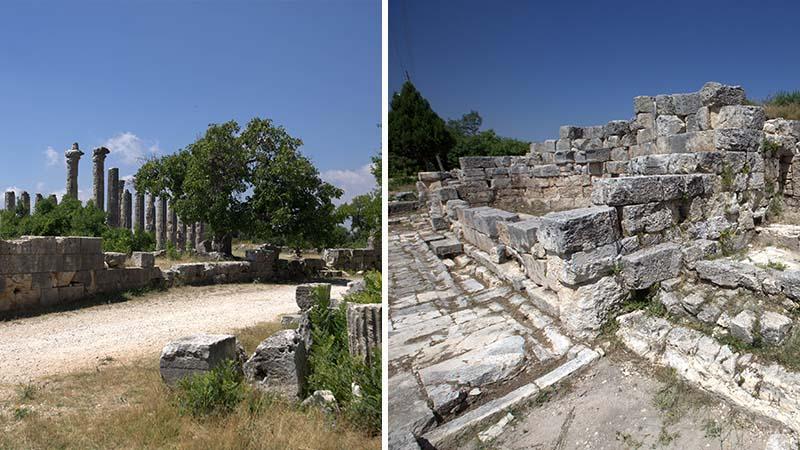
(447, 435)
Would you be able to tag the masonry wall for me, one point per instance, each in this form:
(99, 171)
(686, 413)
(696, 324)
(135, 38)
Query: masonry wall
(40, 272)
(353, 259)
(635, 202)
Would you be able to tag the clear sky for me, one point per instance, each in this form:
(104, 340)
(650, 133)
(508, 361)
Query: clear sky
(149, 76)
(530, 66)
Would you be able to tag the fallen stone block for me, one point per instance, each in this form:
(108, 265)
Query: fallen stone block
(305, 295)
(741, 327)
(273, 366)
(196, 354)
(364, 329)
(486, 220)
(322, 400)
(774, 327)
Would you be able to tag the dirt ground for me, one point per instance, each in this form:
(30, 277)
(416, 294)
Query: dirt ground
(618, 404)
(36, 347)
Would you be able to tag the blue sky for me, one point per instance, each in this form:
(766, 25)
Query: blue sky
(149, 76)
(529, 67)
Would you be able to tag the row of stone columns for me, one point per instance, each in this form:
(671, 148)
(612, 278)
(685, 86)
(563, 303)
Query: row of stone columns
(24, 200)
(124, 209)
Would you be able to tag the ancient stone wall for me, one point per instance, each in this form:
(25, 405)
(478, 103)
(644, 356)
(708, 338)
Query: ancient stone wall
(687, 179)
(40, 272)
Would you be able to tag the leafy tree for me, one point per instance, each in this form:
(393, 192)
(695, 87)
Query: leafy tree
(253, 181)
(470, 141)
(364, 211)
(417, 135)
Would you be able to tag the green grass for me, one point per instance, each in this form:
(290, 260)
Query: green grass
(216, 392)
(774, 265)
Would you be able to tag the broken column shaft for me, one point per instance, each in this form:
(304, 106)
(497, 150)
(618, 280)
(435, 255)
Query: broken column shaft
(113, 197)
(73, 156)
(98, 176)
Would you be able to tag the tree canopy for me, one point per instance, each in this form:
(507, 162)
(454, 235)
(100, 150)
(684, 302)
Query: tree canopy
(417, 135)
(364, 211)
(252, 181)
(470, 141)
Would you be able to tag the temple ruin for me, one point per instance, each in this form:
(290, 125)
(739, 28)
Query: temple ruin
(687, 210)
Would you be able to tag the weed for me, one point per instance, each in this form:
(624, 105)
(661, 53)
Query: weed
(727, 177)
(726, 243)
(215, 392)
(712, 429)
(774, 265)
(775, 208)
(665, 437)
(27, 392)
(544, 396)
(770, 148)
(628, 441)
(22, 412)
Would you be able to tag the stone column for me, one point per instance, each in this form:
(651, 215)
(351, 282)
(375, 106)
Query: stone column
(150, 214)
(364, 329)
(161, 223)
(126, 209)
(25, 201)
(181, 235)
(11, 201)
(201, 234)
(54, 198)
(113, 197)
(191, 240)
(98, 176)
(73, 156)
(120, 195)
(172, 225)
(138, 212)
(38, 198)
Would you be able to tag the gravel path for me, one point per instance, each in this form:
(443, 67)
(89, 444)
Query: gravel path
(35, 347)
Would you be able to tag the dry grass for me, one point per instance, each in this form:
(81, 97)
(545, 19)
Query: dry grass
(127, 406)
(790, 111)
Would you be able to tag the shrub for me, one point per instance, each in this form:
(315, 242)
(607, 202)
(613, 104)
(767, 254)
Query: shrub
(126, 241)
(334, 369)
(372, 289)
(215, 392)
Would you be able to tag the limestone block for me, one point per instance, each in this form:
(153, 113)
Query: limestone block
(585, 309)
(774, 327)
(664, 105)
(570, 132)
(616, 128)
(445, 248)
(429, 177)
(453, 206)
(273, 366)
(548, 146)
(520, 236)
(643, 104)
(783, 127)
(729, 274)
(740, 116)
(647, 218)
(593, 132)
(716, 94)
(467, 215)
(486, 220)
(546, 170)
(476, 162)
(578, 229)
(648, 266)
(742, 326)
(143, 259)
(306, 294)
(444, 194)
(196, 354)
(115, 260)
(686, 104)
(593, 155)
(563, 157)
(667, 125)
(580, 267)
(699, 250)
